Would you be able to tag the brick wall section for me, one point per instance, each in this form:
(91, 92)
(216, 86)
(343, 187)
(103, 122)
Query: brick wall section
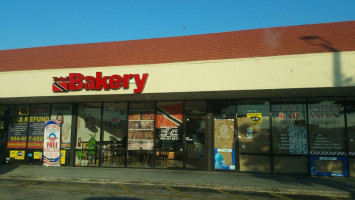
(228, 45)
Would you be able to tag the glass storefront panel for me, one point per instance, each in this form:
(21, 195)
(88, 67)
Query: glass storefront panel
(114, 138)
(222, 107)
(290, 165)
(18, 125)
(289, 129)
(327, 134)
(141, 134)
(3, 130)
(195, 107)
(88, 134)
(63, 114)
(254, 128)
(169, 135)
(352, 167)
(350, 116)
(39, 114)
(195, 142)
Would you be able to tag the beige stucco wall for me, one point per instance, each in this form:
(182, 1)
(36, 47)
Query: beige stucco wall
(277, 72)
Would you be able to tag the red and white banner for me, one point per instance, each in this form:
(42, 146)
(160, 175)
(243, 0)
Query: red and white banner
(51, 148)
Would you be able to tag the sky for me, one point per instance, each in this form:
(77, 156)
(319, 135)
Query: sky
(36, 23)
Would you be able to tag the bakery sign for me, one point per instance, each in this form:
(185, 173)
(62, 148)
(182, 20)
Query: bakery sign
(77, 82)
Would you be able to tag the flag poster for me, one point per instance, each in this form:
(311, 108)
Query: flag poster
(51, 148)
(168, 124)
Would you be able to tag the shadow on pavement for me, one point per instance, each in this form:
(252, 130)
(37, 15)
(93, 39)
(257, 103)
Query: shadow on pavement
(112, 198)
(345, 184)
(4, 169)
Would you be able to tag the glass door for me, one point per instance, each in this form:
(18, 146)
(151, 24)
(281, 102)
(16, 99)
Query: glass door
(224, 151)
(195, 143)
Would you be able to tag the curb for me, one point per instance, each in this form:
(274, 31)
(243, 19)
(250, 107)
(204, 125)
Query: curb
(320, 193)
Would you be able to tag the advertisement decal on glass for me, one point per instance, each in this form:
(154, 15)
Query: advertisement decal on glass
(255, 117)
(35, 132)
(17, 133)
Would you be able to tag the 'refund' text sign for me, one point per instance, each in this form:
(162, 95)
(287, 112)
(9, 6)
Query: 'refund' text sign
(77, 81)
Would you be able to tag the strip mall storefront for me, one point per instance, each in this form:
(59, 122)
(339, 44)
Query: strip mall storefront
(285, 114)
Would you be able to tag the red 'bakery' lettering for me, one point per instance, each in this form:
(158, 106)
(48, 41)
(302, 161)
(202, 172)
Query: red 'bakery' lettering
(77, 81)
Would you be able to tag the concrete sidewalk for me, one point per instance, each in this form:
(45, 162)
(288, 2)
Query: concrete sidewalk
(286, 184)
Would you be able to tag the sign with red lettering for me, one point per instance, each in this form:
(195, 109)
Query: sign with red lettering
(77, 81)
(51, 147)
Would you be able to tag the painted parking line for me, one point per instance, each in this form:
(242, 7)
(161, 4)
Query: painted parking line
(280, 196)
(127, 189)
(177, 191)
(229, 194)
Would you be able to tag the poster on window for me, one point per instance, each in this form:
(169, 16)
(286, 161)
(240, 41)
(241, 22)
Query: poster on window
(298, 140)
(168, 124)
(35, 132)
(224, 153)
(51, 147)
(17, 133)
(63, 114)
(141, 130)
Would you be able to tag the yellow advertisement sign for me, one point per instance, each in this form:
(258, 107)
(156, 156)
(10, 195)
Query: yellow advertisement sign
(37, 155)
(62, 157)
(20, 155)
(13, 154)
(255, 117)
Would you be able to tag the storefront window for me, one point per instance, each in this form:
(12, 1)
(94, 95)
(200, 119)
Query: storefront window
(254, 128)
(222, 107)
(39, 114)
(3, 122)
(88, 134)
(195, 107)
(327, 128)
(350, 116)
(115, 134)
(141, 134)
(169, 135)
(289, 129)
(18, 124)
(63, 114)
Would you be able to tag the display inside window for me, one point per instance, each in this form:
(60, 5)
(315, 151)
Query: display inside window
(254, 128)
(168, 124)
(115, 134)
(63, 114)
(88, 134)
(141, 126)
(327, 129)
(289, 129)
